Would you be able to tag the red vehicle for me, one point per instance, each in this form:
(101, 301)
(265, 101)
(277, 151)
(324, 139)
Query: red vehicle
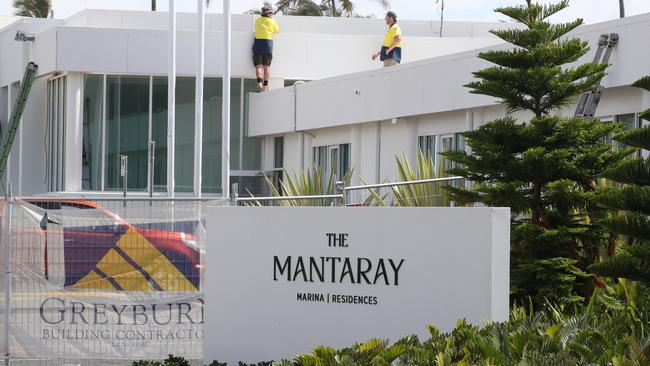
(94, 248)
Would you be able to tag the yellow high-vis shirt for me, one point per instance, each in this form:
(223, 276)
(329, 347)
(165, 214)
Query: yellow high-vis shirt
(393, 31)
(265, 27)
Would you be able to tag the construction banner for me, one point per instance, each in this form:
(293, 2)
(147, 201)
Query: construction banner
(90, 283)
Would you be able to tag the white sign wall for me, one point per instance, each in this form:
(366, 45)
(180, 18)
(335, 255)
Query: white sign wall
(280, 281)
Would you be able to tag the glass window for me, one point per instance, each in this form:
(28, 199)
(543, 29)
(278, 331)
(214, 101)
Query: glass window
(127, 130)
(211, 163)
(344, 163)
(159, 132)
(91, 155)
(427, 145)
(629, 122)
(184, 149)
(334, 162)
(134, 111)
(235, 122)
(334, 158)
(320, 156)
(446, 144)
(278, 152)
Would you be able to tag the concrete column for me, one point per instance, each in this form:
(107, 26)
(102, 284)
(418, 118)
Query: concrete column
(268, 155)
(307, 151)
(411, 143)
(355, 154)
(73, 132)
(369, 151)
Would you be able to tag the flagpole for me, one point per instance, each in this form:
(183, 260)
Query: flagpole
(198, 112)
(171, 100)
(225, 117)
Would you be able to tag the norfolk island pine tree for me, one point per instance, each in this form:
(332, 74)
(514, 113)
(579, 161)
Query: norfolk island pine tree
(545, 169)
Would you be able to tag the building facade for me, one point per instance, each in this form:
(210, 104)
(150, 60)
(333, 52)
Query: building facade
(101, 92)
(367, 119)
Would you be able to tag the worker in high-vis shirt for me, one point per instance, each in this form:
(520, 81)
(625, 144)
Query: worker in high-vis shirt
(391, 49)
(265, 28)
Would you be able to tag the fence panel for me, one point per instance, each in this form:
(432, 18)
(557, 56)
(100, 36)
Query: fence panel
(95, 282)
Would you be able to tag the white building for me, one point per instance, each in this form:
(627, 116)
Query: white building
(364, 120)
(102, 93)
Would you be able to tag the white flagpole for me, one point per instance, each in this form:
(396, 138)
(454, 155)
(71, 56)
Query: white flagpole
(171, 100)
(225, 118)
(198, 112)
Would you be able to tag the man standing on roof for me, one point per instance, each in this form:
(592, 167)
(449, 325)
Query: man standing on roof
(265, 27)
(391, 49)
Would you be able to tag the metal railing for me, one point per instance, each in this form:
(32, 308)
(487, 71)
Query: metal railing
(113, 202)
(381, 194)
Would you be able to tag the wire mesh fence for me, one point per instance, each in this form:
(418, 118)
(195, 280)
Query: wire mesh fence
(101, 282)
(106, 281)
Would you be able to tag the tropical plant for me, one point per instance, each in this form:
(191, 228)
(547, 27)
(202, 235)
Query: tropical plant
(153, 4)
(544, 169)
(414, 195)
(311, 182)
(33, 8)
(632, 202)
(335, 8)
(299, 7)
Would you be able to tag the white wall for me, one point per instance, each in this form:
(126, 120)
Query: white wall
(34, 152)
(436, 85)
(136, 42)
(289, 24)
(374, 161)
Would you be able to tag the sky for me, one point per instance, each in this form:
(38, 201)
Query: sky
(592, 11)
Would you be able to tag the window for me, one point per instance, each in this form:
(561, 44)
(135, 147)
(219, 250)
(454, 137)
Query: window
(427, 145)
(434, 145)
(127, 129)
(334, 158)
(55, 133)
(628, 121)
(159, 132)
(278, 152)
(91, 155)
(122, 114)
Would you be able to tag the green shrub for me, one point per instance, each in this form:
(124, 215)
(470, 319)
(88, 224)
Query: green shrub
(606, 331)
(170, 361)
